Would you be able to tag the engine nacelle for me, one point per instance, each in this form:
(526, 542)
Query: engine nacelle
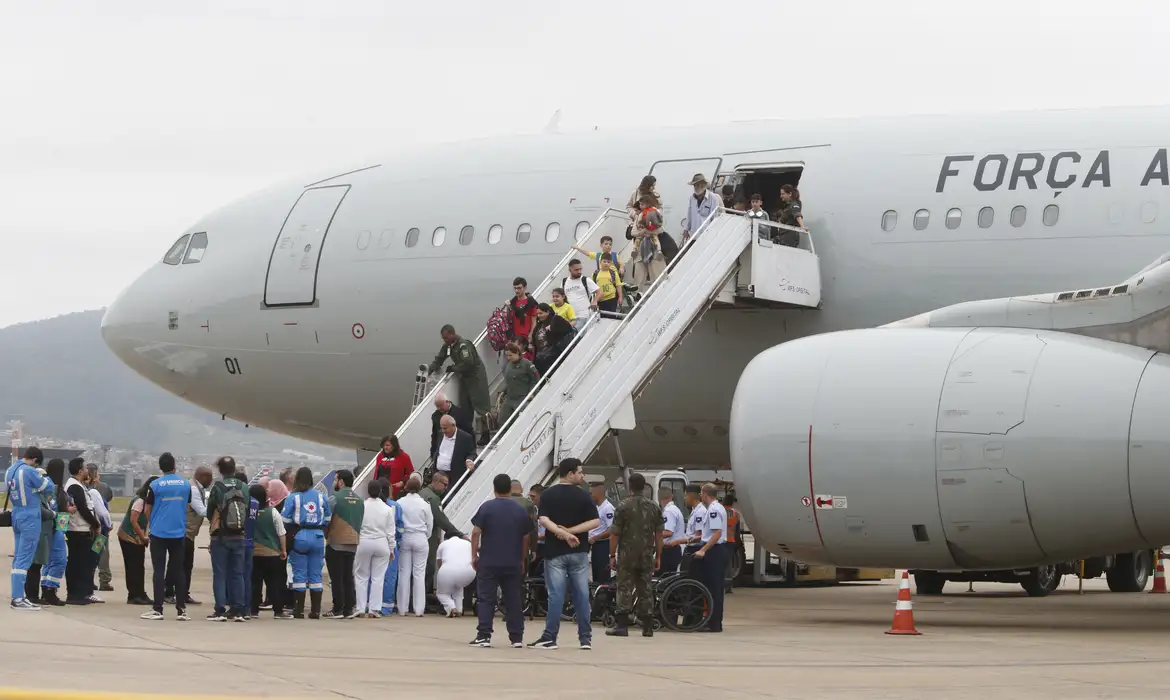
(961, 448)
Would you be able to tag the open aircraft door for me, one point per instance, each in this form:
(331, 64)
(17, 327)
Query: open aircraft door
(674, 177)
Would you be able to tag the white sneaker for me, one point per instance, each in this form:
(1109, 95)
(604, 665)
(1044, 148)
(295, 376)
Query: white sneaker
(151, 615)
(182, 617)
(94, 599)
(24, 604)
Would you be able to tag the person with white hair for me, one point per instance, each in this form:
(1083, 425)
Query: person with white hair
(417, 523)
(444, 407)
(456, 452)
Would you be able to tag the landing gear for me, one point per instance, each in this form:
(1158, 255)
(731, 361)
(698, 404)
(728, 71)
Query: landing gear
(1130, 572)
(1041, 581)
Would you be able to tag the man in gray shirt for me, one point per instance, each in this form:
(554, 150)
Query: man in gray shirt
(105, 578)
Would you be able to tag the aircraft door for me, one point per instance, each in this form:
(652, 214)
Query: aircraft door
(674, 177)
(296, 254)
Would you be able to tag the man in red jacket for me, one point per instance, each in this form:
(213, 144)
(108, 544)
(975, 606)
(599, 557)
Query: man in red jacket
(393, 465)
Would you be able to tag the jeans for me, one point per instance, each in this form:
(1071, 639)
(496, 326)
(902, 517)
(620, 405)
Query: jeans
(166, 556)
(390, 587)
(572, 571)
(227, 573)
(509, 581)
(248, 578)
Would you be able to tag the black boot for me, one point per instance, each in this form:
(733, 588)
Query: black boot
(49, 597)
(648, 628)
(299, 605)
(315, 600)
(621, 628)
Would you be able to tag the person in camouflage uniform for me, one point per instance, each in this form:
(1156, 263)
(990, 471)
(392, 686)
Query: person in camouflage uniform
(636, 551)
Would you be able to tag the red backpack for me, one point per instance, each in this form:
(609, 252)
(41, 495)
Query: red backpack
(498, 327)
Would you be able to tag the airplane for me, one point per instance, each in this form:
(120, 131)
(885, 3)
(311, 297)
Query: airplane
(908, 214)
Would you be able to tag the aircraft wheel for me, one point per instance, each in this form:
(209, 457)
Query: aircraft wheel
(1041, 581)
(1130, 572)
(929, 582)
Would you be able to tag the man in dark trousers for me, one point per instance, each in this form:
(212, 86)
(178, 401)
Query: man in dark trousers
(456, 451)
(500, 541)
(444, 407)
(467, 365)
(635, 544)
(712, 555)
(105, 578)
(341, 541)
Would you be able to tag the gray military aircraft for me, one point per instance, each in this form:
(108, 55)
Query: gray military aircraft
(306, 309)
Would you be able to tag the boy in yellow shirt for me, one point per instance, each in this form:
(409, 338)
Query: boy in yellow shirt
(561, 308)
(606, 252)
(611, 286)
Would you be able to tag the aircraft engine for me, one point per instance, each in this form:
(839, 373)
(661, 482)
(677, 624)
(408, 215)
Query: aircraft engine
(953, 448)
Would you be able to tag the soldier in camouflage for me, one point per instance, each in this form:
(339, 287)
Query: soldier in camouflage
(636, 551)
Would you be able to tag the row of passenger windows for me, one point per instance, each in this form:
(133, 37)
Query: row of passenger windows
(495, 234)
(985, 218)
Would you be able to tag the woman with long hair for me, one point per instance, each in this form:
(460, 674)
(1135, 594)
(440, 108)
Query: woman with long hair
(790, 214)
(393, 465)
(51, 555)
(551, 337)
(133, 538)
(519, 379)
(306, 514)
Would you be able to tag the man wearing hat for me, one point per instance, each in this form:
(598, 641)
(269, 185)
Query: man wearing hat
(700, 206)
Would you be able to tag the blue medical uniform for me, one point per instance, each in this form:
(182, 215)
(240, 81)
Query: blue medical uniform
(390, 583)
(54, 572)
(308, 512)
(25, 485)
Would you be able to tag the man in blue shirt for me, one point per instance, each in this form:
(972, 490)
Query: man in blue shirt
(166, 507)
(500, 542)
(25, 485)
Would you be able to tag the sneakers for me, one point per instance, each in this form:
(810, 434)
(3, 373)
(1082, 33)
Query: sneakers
(586, 645)
(139, 600)
(517, 645)
(152, 615)
(387, 611)
(351, 615)
(481, 641)
(543, 643)
(23, 604)
(330, 615)
(94, 599)
(238, 618)
(217, 617)
(183, 616)
(266, 606)
(192, 601)
(284, 615)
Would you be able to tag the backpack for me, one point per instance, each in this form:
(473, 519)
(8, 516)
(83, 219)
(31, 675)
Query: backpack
(498, 327)
(613, 259)
(613, 279)
(233, 516)
(668, 245)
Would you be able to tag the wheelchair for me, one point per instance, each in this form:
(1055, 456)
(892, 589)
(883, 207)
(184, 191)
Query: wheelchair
(681, 603)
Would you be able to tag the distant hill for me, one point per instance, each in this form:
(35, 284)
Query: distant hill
(59, 377)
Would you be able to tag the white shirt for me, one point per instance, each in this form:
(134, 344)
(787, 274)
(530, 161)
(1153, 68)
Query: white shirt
(455, 551)
(695, 523)
(605, 513)
(699, 209)
(672, 520)
(100, 509)
(416, 515)
(716, 520)
(198, 499)
(278, 522)
(76, 522)
(579, 293)
(378, 521)
(446, 450)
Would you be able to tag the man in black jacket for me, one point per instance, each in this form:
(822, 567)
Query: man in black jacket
(456, 451)
(443, 407)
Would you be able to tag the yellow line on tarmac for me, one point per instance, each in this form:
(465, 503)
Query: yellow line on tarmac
(14, 694)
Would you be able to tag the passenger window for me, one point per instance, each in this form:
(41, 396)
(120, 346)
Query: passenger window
(582, 229)
(553, 232)
(921, 219)
(1050, 216)
(384, 238)
(195, 250)
(175, 254)
(439, 236)
(495, 233)
(466, 235)
(889, 220)
(1019, 216)
(986, 217)
(412, 238)
(954, 218)
(523, 233)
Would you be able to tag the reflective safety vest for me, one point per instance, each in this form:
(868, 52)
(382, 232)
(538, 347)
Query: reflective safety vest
(732, 524)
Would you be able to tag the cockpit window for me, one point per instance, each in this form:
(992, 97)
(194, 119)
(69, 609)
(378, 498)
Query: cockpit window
(195, 250)
(175, 254)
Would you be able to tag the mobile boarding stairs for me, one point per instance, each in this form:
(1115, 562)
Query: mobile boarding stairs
(590, 391)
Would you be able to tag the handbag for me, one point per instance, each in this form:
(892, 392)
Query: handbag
(6, 515)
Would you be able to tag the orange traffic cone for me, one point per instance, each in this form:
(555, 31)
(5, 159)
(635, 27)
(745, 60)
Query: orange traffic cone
(1159, 573)
(903, 610)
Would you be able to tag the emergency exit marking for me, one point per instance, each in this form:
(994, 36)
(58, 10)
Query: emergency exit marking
(806, 501)
(827, 502)
(359, 331)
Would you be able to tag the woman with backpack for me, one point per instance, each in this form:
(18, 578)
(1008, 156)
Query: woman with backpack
(306, 513)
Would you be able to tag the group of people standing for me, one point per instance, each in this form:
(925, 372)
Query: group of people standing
(60, 525)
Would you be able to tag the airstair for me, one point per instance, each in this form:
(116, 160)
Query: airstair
(590, 391)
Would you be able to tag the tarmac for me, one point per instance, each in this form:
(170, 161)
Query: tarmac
(825, 642)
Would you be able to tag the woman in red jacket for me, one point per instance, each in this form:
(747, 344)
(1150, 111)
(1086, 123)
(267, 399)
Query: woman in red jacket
(393, 465)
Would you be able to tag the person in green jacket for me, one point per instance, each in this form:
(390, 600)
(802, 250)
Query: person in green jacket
(519, 379)
(433, 495)
(467, 365)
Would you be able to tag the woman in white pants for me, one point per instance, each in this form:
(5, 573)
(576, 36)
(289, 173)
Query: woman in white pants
(417, 521)
(374, 553)
(454, 573)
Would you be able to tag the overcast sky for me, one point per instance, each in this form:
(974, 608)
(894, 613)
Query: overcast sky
(122, 121)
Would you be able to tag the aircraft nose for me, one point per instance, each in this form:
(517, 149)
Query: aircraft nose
(118, 327)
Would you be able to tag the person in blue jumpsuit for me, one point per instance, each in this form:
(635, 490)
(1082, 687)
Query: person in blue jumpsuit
(390, 583)
(306, 512)
(53, 572)
(25, 485)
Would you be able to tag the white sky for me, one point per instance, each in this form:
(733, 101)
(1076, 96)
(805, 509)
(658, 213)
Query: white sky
(122, 121)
